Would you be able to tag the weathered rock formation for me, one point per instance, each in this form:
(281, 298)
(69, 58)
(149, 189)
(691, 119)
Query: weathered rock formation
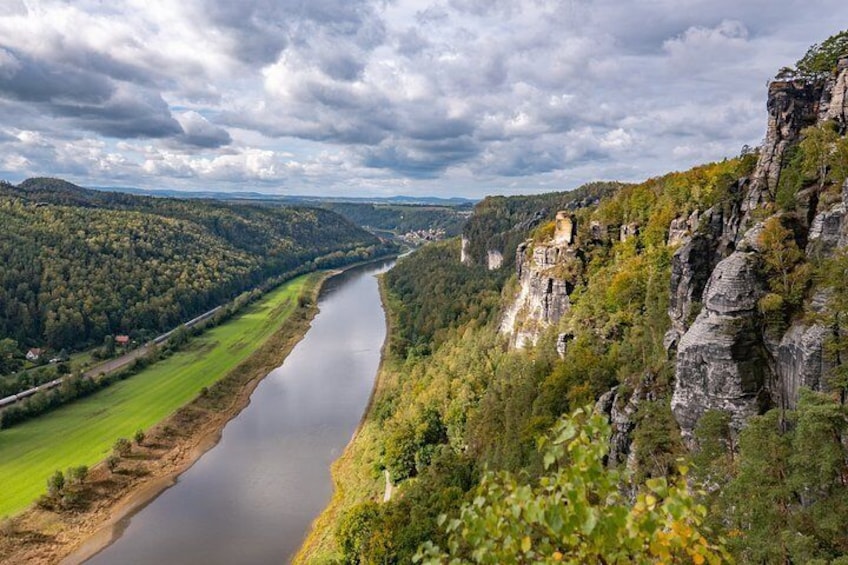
(620, 408)
(681, 228)
(494, 259)
(728, 359)
(464, 257)
(835, 98)
(792, 106)
(721, 361)
(565, 229)
(710, 237)
(542, 296)
(627, 231)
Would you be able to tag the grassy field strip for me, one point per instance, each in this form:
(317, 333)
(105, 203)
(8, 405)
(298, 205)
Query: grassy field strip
(83, 432)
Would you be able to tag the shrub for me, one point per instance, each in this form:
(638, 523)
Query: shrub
(123, 447)
(112, 462)
(56, 484)
(76, 475)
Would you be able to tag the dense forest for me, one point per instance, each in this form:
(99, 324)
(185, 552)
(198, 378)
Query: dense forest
(80, 265)
(504, 455)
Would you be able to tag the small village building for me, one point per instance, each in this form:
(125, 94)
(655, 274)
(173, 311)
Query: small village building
(34, 353)
(122, 340)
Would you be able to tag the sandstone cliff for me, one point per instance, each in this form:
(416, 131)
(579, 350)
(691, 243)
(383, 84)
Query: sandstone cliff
(726, 355)
(542, 297)
(728, 360)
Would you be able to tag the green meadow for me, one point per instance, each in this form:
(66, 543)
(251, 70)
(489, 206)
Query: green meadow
(83, 432)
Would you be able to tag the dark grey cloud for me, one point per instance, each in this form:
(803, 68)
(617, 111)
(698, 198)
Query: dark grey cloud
(27, 79)
(90, 100)
(422, 159)
(129, 113)
(262, 29)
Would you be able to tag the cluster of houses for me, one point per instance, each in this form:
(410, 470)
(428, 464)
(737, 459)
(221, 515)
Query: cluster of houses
(419, 237)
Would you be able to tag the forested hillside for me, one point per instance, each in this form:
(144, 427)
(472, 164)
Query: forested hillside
(80, 265)
(699, 350)
(455, 401)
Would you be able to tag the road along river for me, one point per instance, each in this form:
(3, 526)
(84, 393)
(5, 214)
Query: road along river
(252, 497)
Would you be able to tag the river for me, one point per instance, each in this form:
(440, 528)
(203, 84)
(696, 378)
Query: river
(252, 498)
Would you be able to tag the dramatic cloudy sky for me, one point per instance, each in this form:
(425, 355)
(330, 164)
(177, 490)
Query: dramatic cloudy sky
(378, 97)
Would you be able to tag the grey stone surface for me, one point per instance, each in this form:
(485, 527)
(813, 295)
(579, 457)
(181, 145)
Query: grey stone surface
(721, 361)
(801, 362)
(542, 297)
(562, 343)
(627, 231)
(835, 99)
(792, 105)
(494, 259)
(464, 258)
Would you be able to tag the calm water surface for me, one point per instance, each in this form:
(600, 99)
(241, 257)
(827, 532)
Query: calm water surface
(252, 497)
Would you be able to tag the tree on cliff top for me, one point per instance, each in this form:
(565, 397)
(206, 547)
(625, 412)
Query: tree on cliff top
(821, 58)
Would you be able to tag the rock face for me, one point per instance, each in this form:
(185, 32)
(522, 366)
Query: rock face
(728, 359)
(619, 412)
(464, 258)
(721, 362)
(542, 296)
(565, 229)
(620, 409)
(627, 231)
(827, 231)
(681, 228)
(494, 259)
(801, 362)
(792, 106)
(713, 237)
(835, 99)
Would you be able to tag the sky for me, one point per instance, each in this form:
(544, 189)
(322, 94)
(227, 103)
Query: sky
(386, 97)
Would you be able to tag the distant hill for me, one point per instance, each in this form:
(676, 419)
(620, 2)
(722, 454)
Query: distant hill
(398, 214)
(216, 195)
(82, 264)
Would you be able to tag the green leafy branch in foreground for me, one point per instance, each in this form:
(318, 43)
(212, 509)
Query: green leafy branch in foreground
(577, 512)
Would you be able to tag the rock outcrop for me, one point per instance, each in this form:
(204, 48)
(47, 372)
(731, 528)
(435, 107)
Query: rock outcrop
(494, 259)
(729, 359)
(801, 362)
(721, 361)
(708, 239)
(682, 228)
(620, 408)
(542, 296)
(792, 105)
(835, 100)
(464, 257)
(628, 231)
